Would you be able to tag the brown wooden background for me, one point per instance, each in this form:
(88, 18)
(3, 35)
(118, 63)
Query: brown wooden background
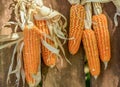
(66, 75)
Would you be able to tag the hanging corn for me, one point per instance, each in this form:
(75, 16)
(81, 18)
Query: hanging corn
(31, 55)
(90, 44)
(49, 58)
(100, 27)
(77, 16)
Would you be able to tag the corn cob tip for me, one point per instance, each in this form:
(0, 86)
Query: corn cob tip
(95, 77)
(31, 85)
(51, 66)
(105, 64)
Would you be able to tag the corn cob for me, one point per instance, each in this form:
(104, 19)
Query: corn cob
(49, 58)
(31, 54)
(77, 15)
(100, 27)
(91, 50)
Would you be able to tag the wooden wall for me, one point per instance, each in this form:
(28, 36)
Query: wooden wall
(66, 75)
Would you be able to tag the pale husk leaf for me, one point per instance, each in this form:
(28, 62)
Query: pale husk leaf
(74, 1)
(88, 19)
(83, 2)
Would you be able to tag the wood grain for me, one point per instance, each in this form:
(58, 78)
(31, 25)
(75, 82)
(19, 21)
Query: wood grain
(67, 75)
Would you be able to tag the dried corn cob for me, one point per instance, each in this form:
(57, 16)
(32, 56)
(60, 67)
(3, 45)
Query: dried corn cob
(100, 27)
(31, 54)
(49, 58)
(77, 15)
(91, 50)
(90, 43)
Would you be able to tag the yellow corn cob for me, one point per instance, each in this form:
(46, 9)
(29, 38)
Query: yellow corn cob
(31, 54)
(49, 58)
(100, 27)
(91, 50)
(77, 16)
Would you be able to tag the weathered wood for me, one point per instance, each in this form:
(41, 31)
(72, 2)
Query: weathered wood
(66, 75)
(5, 54)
